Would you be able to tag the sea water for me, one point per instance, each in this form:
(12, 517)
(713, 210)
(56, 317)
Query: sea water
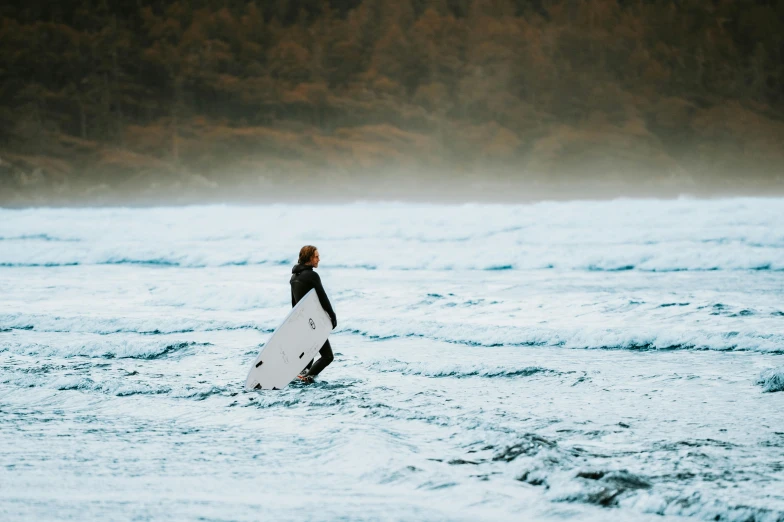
(617, 360)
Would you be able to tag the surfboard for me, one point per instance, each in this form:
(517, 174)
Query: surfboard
(291, 347)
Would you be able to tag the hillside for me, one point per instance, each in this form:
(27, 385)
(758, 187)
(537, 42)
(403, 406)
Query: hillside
(511, 99)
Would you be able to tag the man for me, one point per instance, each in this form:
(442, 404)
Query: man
(303, 280)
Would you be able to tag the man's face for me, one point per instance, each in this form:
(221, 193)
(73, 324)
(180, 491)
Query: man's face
(315, 259)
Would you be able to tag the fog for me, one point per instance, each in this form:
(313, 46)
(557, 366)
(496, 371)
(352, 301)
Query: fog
(298, 100)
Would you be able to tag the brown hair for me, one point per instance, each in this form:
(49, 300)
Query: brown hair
(306, 254)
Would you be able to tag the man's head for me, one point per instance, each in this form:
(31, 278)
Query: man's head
(308, 255)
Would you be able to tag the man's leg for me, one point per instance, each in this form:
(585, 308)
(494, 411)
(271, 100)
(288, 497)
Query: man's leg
(326, 358)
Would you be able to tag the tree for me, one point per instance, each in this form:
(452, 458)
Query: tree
(178, 57)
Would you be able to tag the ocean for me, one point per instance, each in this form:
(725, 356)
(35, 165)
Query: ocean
(585, 360)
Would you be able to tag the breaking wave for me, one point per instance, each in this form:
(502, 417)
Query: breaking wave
(122, 387)
(165, 324)
(583, 338)
(774, 262)
(38, 237)
(570, 474)
(652, 236)
(108, 348)
(772, 380)
(457, 371)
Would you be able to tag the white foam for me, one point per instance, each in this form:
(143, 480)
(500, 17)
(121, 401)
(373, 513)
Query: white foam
(772, 380)
(646, 235)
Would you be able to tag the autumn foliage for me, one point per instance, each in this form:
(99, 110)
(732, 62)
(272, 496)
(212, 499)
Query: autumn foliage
(533, 89)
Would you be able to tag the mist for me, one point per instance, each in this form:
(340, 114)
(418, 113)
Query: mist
(422, 100)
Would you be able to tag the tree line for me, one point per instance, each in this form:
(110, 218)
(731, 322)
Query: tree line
(92, 68)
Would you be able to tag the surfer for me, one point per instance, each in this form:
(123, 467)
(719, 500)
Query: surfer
(304, 279)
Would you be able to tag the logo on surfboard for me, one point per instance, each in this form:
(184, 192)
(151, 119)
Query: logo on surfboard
(312, 324)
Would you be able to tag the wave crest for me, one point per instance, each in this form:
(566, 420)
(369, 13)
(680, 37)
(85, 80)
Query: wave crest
(772, 380)
(456, 371)
(122, 387)
(149, 325)
(105, 348)
(582, 338)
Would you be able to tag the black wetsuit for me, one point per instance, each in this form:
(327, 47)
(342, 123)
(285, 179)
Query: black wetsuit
(303, 280)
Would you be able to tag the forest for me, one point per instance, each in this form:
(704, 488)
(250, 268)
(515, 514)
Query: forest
(205, 100)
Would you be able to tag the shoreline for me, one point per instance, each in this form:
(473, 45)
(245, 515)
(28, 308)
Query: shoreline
(404, 187)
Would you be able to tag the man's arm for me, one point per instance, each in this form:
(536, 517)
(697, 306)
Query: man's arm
(323, 299)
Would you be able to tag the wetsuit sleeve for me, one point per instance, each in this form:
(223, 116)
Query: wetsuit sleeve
(324, 300)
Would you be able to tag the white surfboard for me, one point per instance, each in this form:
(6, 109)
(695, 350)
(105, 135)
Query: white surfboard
(291, 346)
